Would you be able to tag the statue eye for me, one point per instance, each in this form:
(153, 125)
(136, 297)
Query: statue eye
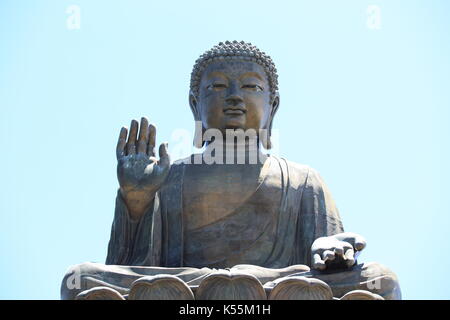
(253, 87)
(217, 86)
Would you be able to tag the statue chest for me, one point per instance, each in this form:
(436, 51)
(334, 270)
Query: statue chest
(212, 192)
(226, 211)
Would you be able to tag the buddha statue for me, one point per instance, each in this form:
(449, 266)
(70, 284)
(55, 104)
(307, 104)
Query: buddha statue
(233, 219)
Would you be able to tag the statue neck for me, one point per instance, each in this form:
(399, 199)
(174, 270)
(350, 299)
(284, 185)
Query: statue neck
(234, 152)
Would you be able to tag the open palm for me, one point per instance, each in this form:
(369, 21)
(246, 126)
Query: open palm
(140, 174)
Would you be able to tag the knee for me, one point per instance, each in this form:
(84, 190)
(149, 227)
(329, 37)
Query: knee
(379, 279)
(73, 282)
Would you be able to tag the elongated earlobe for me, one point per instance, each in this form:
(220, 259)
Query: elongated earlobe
(264, 137)
(198, 135)
(266, 133)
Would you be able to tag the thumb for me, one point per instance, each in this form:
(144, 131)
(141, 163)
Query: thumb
(164, 158)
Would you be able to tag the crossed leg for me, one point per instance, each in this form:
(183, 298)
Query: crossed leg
(371, 277)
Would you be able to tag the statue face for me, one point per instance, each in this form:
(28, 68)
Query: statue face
(234, 95)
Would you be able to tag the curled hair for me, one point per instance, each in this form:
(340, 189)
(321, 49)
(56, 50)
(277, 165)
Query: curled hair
(234, 50)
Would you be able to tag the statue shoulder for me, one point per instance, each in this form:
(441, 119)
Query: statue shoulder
(301, 173)
(297, 173)
(176, 173)
(292, 166)
(182, 161)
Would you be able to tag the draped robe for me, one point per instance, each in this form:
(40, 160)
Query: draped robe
(276, 239)
(304, 212)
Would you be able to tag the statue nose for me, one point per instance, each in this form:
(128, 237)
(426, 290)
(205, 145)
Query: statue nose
(233, 97)
(234, 100)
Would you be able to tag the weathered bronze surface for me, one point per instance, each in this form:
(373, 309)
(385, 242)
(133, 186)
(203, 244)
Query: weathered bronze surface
(226, 230)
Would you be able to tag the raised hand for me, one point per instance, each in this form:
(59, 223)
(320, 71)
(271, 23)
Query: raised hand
(139, 173)
(336, 252)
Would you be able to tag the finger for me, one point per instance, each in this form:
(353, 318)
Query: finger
(347, 246)
(339, 250)
(318, 263)
(120, 150)
(360, 243)
(350, 257)
(131, 144)
(164, 158)
(151, 140)
(143, 136)
(328, 255)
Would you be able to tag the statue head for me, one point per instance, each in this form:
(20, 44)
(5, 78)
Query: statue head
(234, 86)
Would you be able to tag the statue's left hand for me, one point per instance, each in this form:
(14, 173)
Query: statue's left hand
(337, 251)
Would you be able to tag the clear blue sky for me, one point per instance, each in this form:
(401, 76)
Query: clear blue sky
(368, 108)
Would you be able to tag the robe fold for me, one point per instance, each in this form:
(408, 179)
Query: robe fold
(306, 212)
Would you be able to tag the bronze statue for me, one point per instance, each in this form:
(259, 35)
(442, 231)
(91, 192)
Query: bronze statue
(199, 228)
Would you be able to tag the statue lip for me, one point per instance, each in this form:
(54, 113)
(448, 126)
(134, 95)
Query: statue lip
(234, 110)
